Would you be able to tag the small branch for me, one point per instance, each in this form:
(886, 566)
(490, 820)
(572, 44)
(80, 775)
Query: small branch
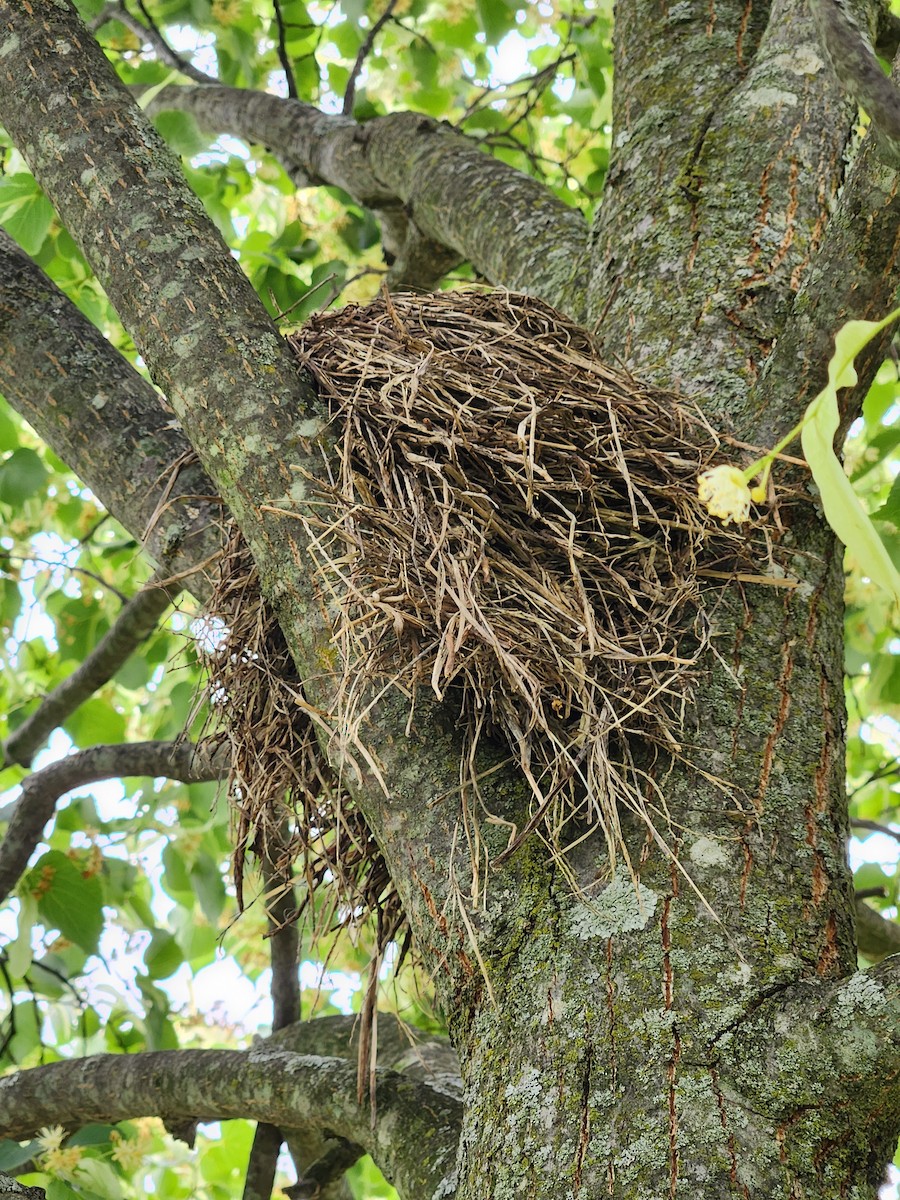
(362, 55)
(42, 790)
(134, 624)
(261, 1162)
(414, 1142)
(876, 936)
(864, 823)
(153, 35)
(325, 1172)
(284, 944)
(283, 57)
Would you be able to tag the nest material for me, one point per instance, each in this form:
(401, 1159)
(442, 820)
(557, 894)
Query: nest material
(515, 524)
(287, 804)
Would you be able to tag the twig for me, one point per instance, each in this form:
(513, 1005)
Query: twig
(364, 49)
(150, 31)
(134, 624)
(283, 54)
(42, 790)
(863, 823)
(284, 945)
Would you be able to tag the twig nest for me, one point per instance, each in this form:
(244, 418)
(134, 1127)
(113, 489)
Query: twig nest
(515, 524)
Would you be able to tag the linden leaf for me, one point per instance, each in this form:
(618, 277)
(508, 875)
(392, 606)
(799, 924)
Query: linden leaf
(843, 511)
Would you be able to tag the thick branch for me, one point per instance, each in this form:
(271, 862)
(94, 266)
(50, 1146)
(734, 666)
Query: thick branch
(815, 1046)
(103, 419)
(134, 624)
(208, 342)
(510, 227)
(414, 1142)
(715, 237)
(433, 1060)
(858, 71)
(42, 790)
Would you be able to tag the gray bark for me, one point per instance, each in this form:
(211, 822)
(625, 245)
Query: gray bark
(425, 182)
(97, 414)
(292, 1091)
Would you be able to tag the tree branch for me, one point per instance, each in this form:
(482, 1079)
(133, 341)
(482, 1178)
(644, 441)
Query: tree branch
(100, 416)
(859, 72)
(887, 38)
(812, 1046)
(510, 227)
(771, 121)
(150, 33)
(854, 275)
(282, 52)
(362, 55)
(134, 624)
(876, 936)
(414, 1142)
(42, 790)
(210, 345)
(284, 941)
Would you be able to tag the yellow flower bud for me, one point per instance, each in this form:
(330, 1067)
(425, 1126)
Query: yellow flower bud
(725, 493)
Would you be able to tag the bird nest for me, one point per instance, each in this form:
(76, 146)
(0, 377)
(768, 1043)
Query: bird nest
(514, 525)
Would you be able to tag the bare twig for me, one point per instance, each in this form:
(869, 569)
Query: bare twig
(875, 827)
(134, 624)
(283, 57)
(363, 54)
(284, 941)
(41, 791)
(153, 35)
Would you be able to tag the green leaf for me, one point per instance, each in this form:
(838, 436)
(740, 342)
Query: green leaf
(25, 212)
(22, 474)
(209, 887)
(67, 899)
(9, 429)
(889, 513)
(13, 1155)
(10, 603)
(95, 723)
(163, 956)
(843, 510)
(57, 1190)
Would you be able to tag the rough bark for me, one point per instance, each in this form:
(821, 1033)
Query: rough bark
(291, 1091)
(427, 180)
(97, 413)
